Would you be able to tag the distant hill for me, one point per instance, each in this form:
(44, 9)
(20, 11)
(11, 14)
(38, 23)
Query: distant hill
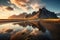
(23, 15)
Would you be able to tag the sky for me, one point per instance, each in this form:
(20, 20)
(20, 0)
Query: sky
(52, 5)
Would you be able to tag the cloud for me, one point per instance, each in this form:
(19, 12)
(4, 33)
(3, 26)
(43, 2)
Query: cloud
(27, 4)
(5, 8)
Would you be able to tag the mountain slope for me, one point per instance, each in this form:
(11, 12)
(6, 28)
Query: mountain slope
(42, 13)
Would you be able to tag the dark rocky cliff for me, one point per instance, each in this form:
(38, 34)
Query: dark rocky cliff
(44, 13)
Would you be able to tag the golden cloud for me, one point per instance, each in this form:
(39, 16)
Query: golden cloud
(5, 8)
(27, 4)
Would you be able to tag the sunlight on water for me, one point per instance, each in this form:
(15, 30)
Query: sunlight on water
(16, 27)
(17, 31)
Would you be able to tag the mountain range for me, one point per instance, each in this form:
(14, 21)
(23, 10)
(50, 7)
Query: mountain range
(41, 13)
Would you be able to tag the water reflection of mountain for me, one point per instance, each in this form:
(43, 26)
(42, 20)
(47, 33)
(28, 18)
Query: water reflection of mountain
(25, 34)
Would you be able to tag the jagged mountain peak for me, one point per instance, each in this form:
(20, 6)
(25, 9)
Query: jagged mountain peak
(42, 13)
